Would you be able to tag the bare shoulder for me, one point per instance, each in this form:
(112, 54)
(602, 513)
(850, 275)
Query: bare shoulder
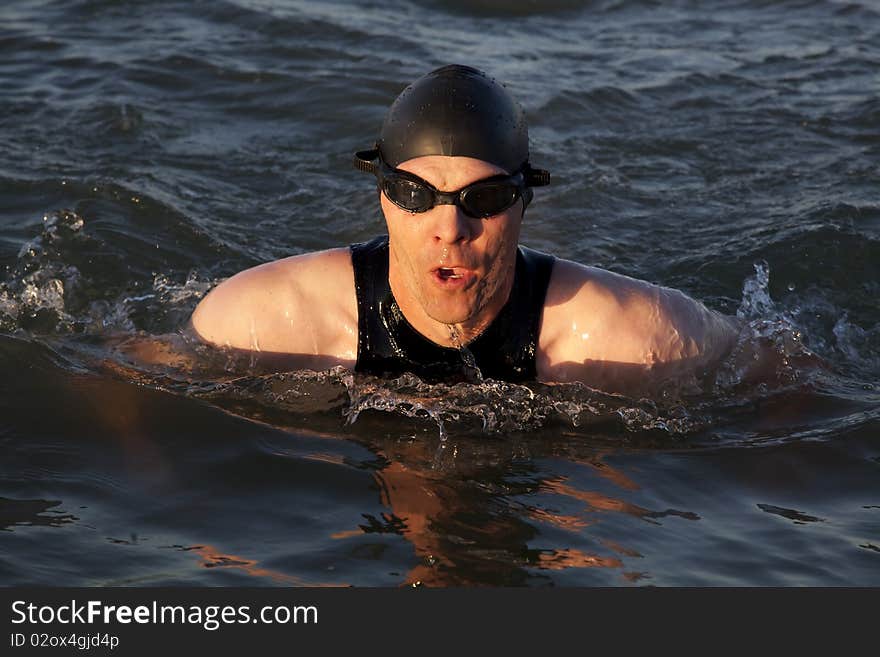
(599, 324)
(303, 304)
(590, 312)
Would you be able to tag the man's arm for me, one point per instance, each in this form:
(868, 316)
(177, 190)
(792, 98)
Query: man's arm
(621, 334)
(302, 306)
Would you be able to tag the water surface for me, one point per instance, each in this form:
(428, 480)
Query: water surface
(151, 149)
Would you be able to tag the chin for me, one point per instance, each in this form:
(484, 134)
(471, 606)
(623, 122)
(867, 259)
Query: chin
(450, 313)
(450, 318)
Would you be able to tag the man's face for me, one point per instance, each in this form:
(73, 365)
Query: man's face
(456, 268)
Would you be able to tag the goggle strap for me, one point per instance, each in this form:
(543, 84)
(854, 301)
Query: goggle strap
(535, 177)
(363, 160)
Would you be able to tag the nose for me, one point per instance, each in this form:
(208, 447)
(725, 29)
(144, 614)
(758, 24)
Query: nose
(451, 225)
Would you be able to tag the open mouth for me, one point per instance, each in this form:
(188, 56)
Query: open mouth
(454, 278)
(447, 273)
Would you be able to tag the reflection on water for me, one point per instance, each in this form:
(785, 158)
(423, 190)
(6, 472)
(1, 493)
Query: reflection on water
(211, 557)
(469, 531)
(32, 512)
(295, 494)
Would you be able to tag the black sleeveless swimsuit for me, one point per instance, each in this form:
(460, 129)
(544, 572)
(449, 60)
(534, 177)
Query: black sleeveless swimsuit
(389, 345)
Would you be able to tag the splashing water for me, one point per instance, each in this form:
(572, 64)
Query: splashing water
(768, 356)
(756, 301)
(472, 370)
(769, 349)
(34, 295)
(488, 408)
(47, 294)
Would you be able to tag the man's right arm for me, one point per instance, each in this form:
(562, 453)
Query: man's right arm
(302, 305)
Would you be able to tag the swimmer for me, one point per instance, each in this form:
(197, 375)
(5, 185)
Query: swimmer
(449, 293)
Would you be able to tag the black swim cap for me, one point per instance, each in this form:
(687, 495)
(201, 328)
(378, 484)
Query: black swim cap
(456, 110)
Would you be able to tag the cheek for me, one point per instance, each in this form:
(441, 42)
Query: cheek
(400, 225)
(503, 238)
(404, 238)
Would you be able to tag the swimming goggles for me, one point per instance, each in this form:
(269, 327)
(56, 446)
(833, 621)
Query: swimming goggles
(481, 199)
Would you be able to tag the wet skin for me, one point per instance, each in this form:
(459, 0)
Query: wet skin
(447, 269)
(451, 274)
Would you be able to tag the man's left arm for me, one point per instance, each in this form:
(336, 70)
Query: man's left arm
(620, 334)
(700, 336)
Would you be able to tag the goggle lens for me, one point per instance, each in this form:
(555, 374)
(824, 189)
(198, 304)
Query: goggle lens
(408, 194)
(487, 199)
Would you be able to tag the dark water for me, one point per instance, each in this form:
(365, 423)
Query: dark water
(152, 148)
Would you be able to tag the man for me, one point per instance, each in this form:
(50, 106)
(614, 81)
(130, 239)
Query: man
(449, 294)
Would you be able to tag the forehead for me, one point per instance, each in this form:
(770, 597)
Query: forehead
(450, 172)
